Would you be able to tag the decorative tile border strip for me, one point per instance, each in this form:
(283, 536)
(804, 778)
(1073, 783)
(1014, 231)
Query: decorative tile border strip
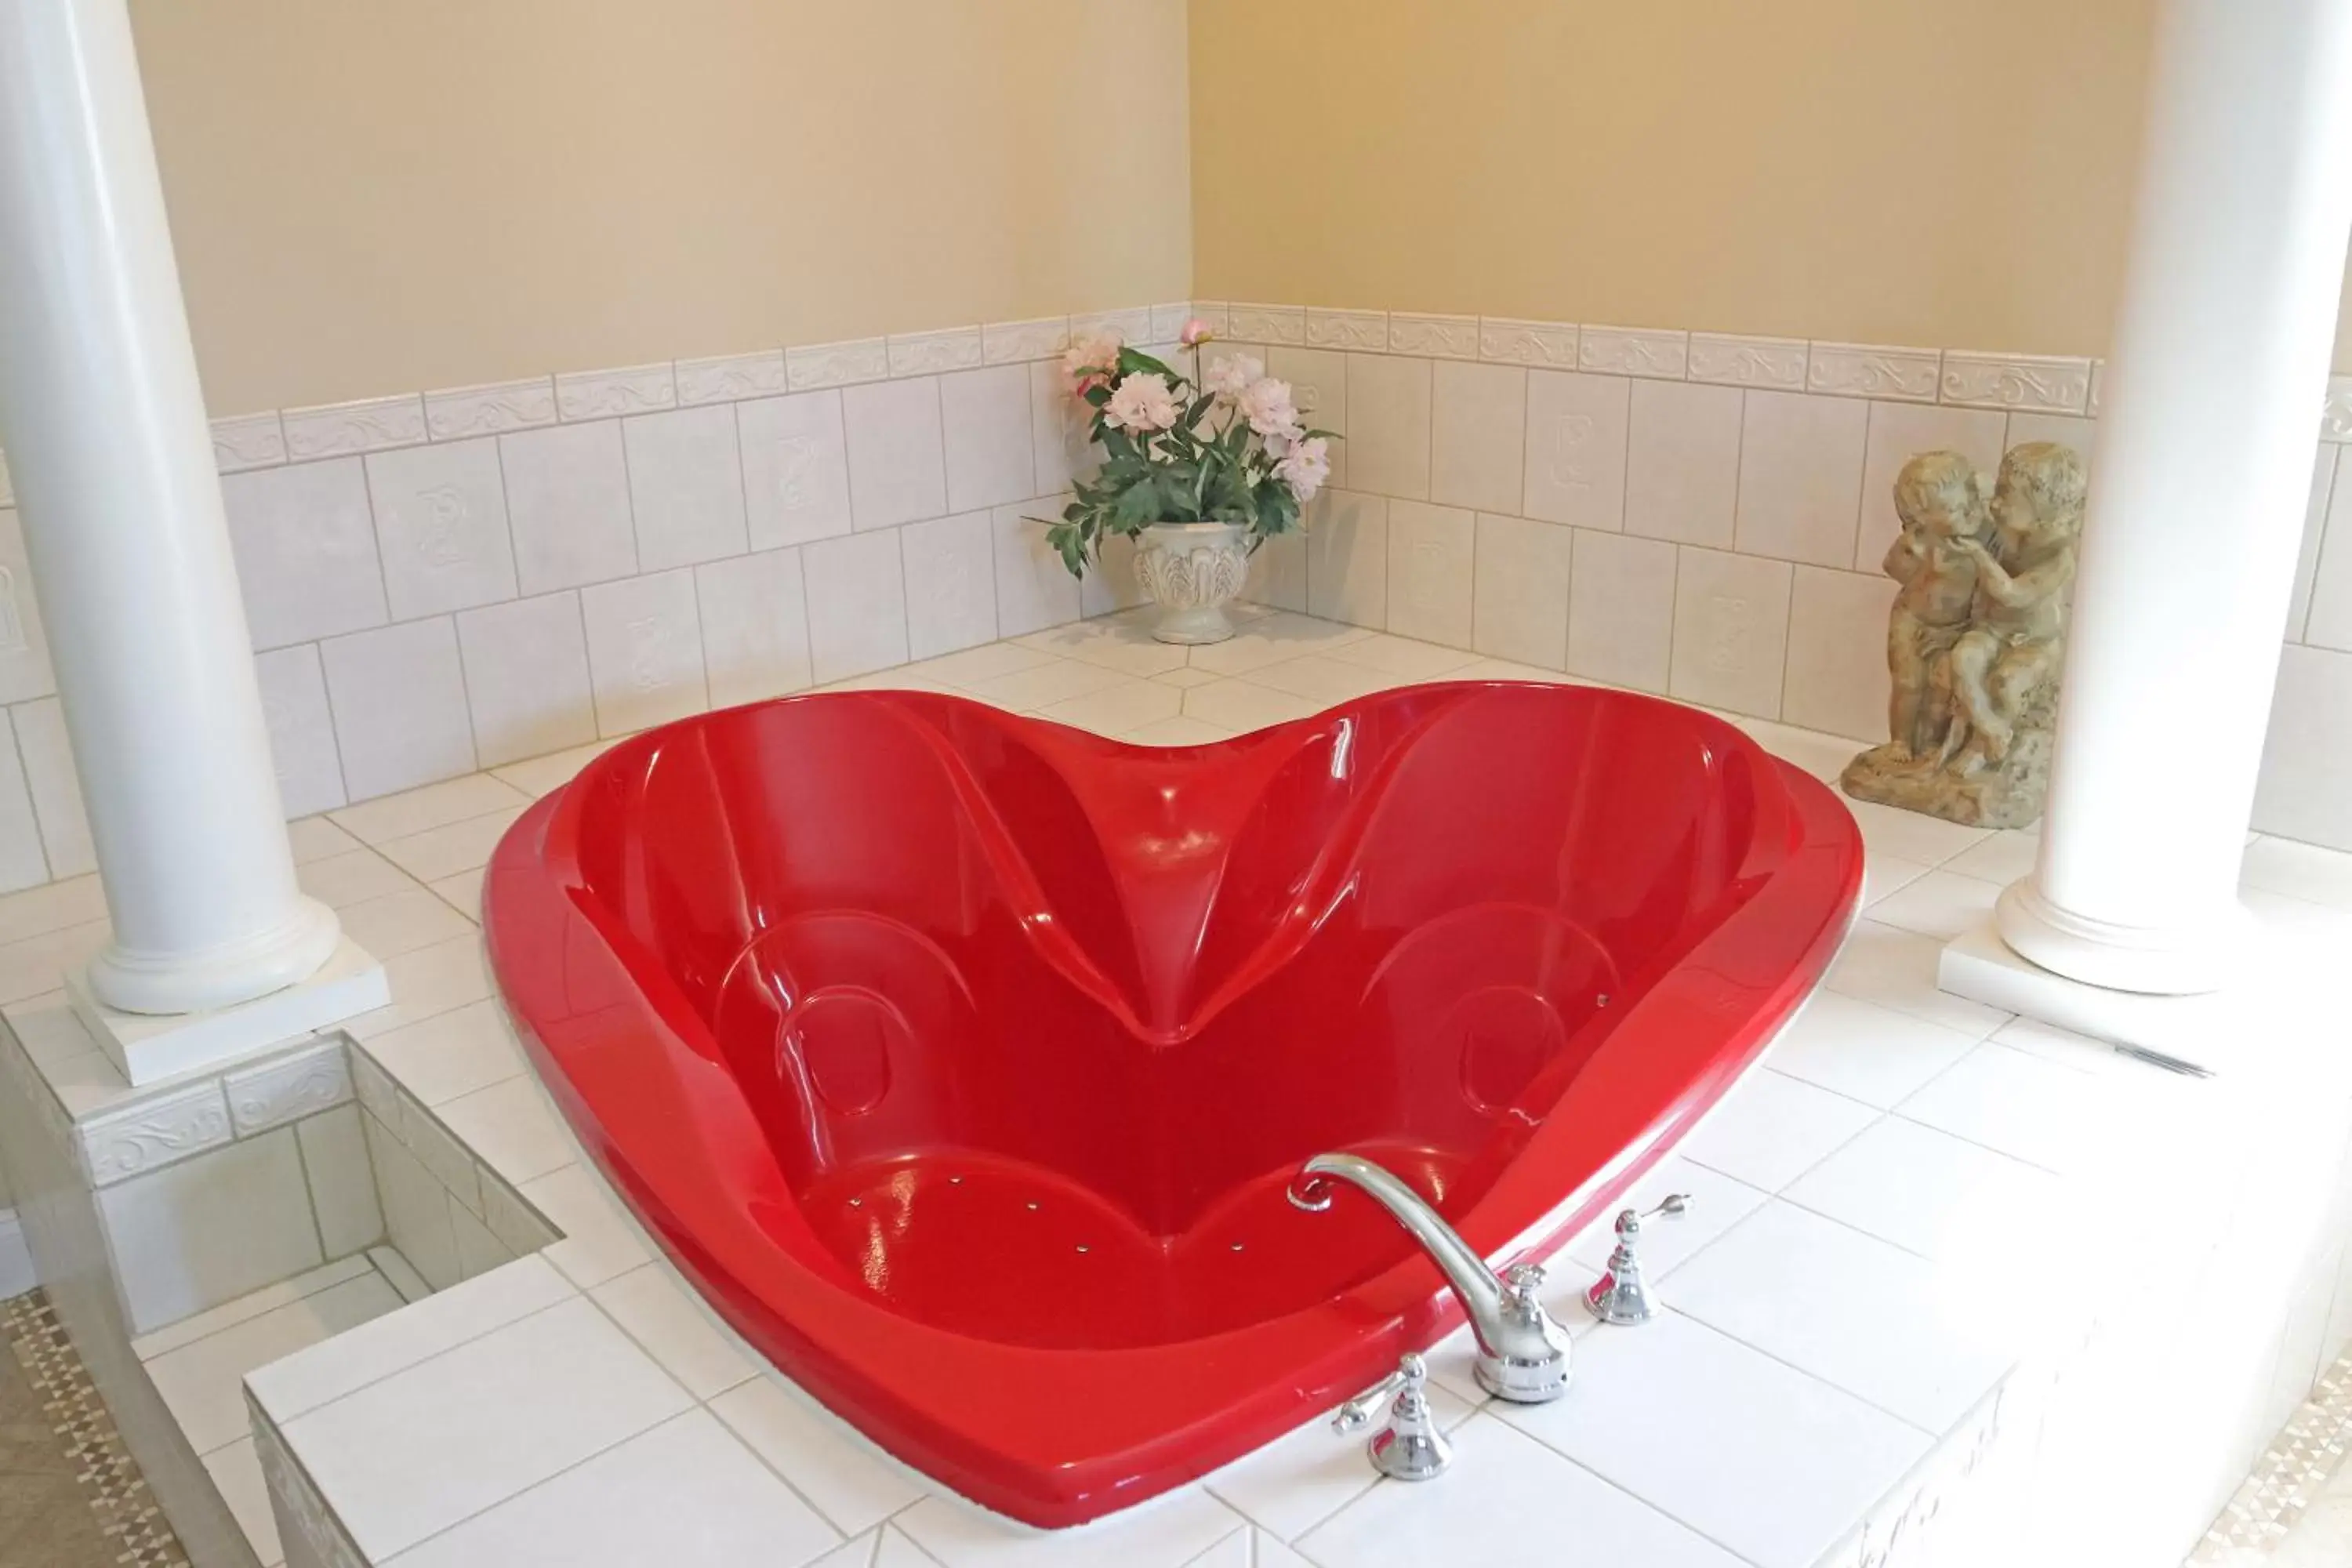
(1961, 378)
(289, 1089)
(2291, 1474)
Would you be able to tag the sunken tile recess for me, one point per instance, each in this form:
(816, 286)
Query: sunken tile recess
(1897, 1143)
(538, 517)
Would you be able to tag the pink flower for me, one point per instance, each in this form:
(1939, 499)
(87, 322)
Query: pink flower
(1196, 332)
(1143, 403)
(1268, 407)
(1306, 467)
(1229, 378)
(1090, 361)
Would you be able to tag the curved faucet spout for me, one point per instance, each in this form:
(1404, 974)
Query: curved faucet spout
(1523, 1354)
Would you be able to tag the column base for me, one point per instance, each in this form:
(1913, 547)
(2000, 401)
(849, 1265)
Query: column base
(149, 1047)
(2167, 960)
(221, 977)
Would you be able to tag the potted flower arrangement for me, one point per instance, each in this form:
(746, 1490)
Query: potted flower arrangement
(1199, 470)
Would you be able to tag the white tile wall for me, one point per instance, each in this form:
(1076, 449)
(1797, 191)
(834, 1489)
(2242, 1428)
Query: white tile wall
(857, 600)
(399, 696)
(24, 647)
(1522, 573)
(754, 615)
(441, 526)
(1347, 557)
(644, 651)
(55, 787)
(1801, 476)
(1682, 467)
(898, 465)
(568, 502)
(1034, 589)
(1830, 687)
(1621, 610)
(1428, 567)
(990, 448)
(1389, 422)
(1731, 627)
(795, 469)
(1479, 448)
(306, 550)
(23, 863)
(527, 677)
(686, 486)
(949, 566)
(1576, 444)
(301, 729)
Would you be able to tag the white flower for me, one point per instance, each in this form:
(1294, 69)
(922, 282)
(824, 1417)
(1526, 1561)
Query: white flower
(1306, 467)
(1267, 404)
(1142, 402)
(1229, 378)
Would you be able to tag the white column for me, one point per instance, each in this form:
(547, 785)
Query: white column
(2221, 363)
(104, 426)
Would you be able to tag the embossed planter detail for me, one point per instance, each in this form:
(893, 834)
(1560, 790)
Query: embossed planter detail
(1193, 570)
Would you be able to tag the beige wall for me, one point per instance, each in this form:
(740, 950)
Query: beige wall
(382, 197)
(1884, 171)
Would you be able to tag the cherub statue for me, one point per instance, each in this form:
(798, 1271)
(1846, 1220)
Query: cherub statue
(1977, 637)
(2017, 630)
(1940, 501)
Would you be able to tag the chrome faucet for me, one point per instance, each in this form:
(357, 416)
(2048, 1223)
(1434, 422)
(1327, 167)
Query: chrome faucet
(1522, 1353)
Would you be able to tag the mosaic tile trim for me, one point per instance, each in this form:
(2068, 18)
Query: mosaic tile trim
(2294, 1469)
(128, 1514)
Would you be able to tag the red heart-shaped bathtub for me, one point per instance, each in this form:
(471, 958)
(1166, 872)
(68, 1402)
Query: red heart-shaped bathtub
(962, 1061)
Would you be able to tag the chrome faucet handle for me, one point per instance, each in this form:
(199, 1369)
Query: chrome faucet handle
(1621, 1296)
(1411, 1448)
(1356, 1414)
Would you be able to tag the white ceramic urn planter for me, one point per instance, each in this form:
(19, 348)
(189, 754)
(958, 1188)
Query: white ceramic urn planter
(1193, 570)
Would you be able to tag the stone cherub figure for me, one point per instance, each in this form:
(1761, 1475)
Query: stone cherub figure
(1976, 689)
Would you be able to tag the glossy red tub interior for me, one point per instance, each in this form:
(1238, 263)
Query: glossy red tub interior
(962, 1061)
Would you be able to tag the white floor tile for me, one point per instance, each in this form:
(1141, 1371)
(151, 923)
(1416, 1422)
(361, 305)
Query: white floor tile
(684, 1495)
(851, 1485)
(1941, 904)
(1233, 1551)
(355, 876)
(1166, 1532)
(38, 964)
(1912, 835)
(1885, 874)
(1180, 731)
(1508, 1498)
(2006, 856)
(429, 982)
(1765, 1460)
(1242, 706)
(1187, 677)
(1897, 969)
(1115, 710)
(452, 1054)
(2038, 1111)
(403, 922)
(463, 893)
(540, 775)
(1324, 679)
(1041, 686)
(235, 1471)
(1404, 658)
(406, 1458)
(985, 662)
(203, 1384)
(1941, 1196)
(432, 805)
(1864, 1051)
(315, 839)
(2300, 871)
(1716, 1203)
(1271, 640)
(655, 1311)
(511, 1129)
(1771, 1128)
(1822, 756)
(450, 848)
(54, 905)
(599, 1242)
(417, 1333)
(1912, 1337)
(1119, 643)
